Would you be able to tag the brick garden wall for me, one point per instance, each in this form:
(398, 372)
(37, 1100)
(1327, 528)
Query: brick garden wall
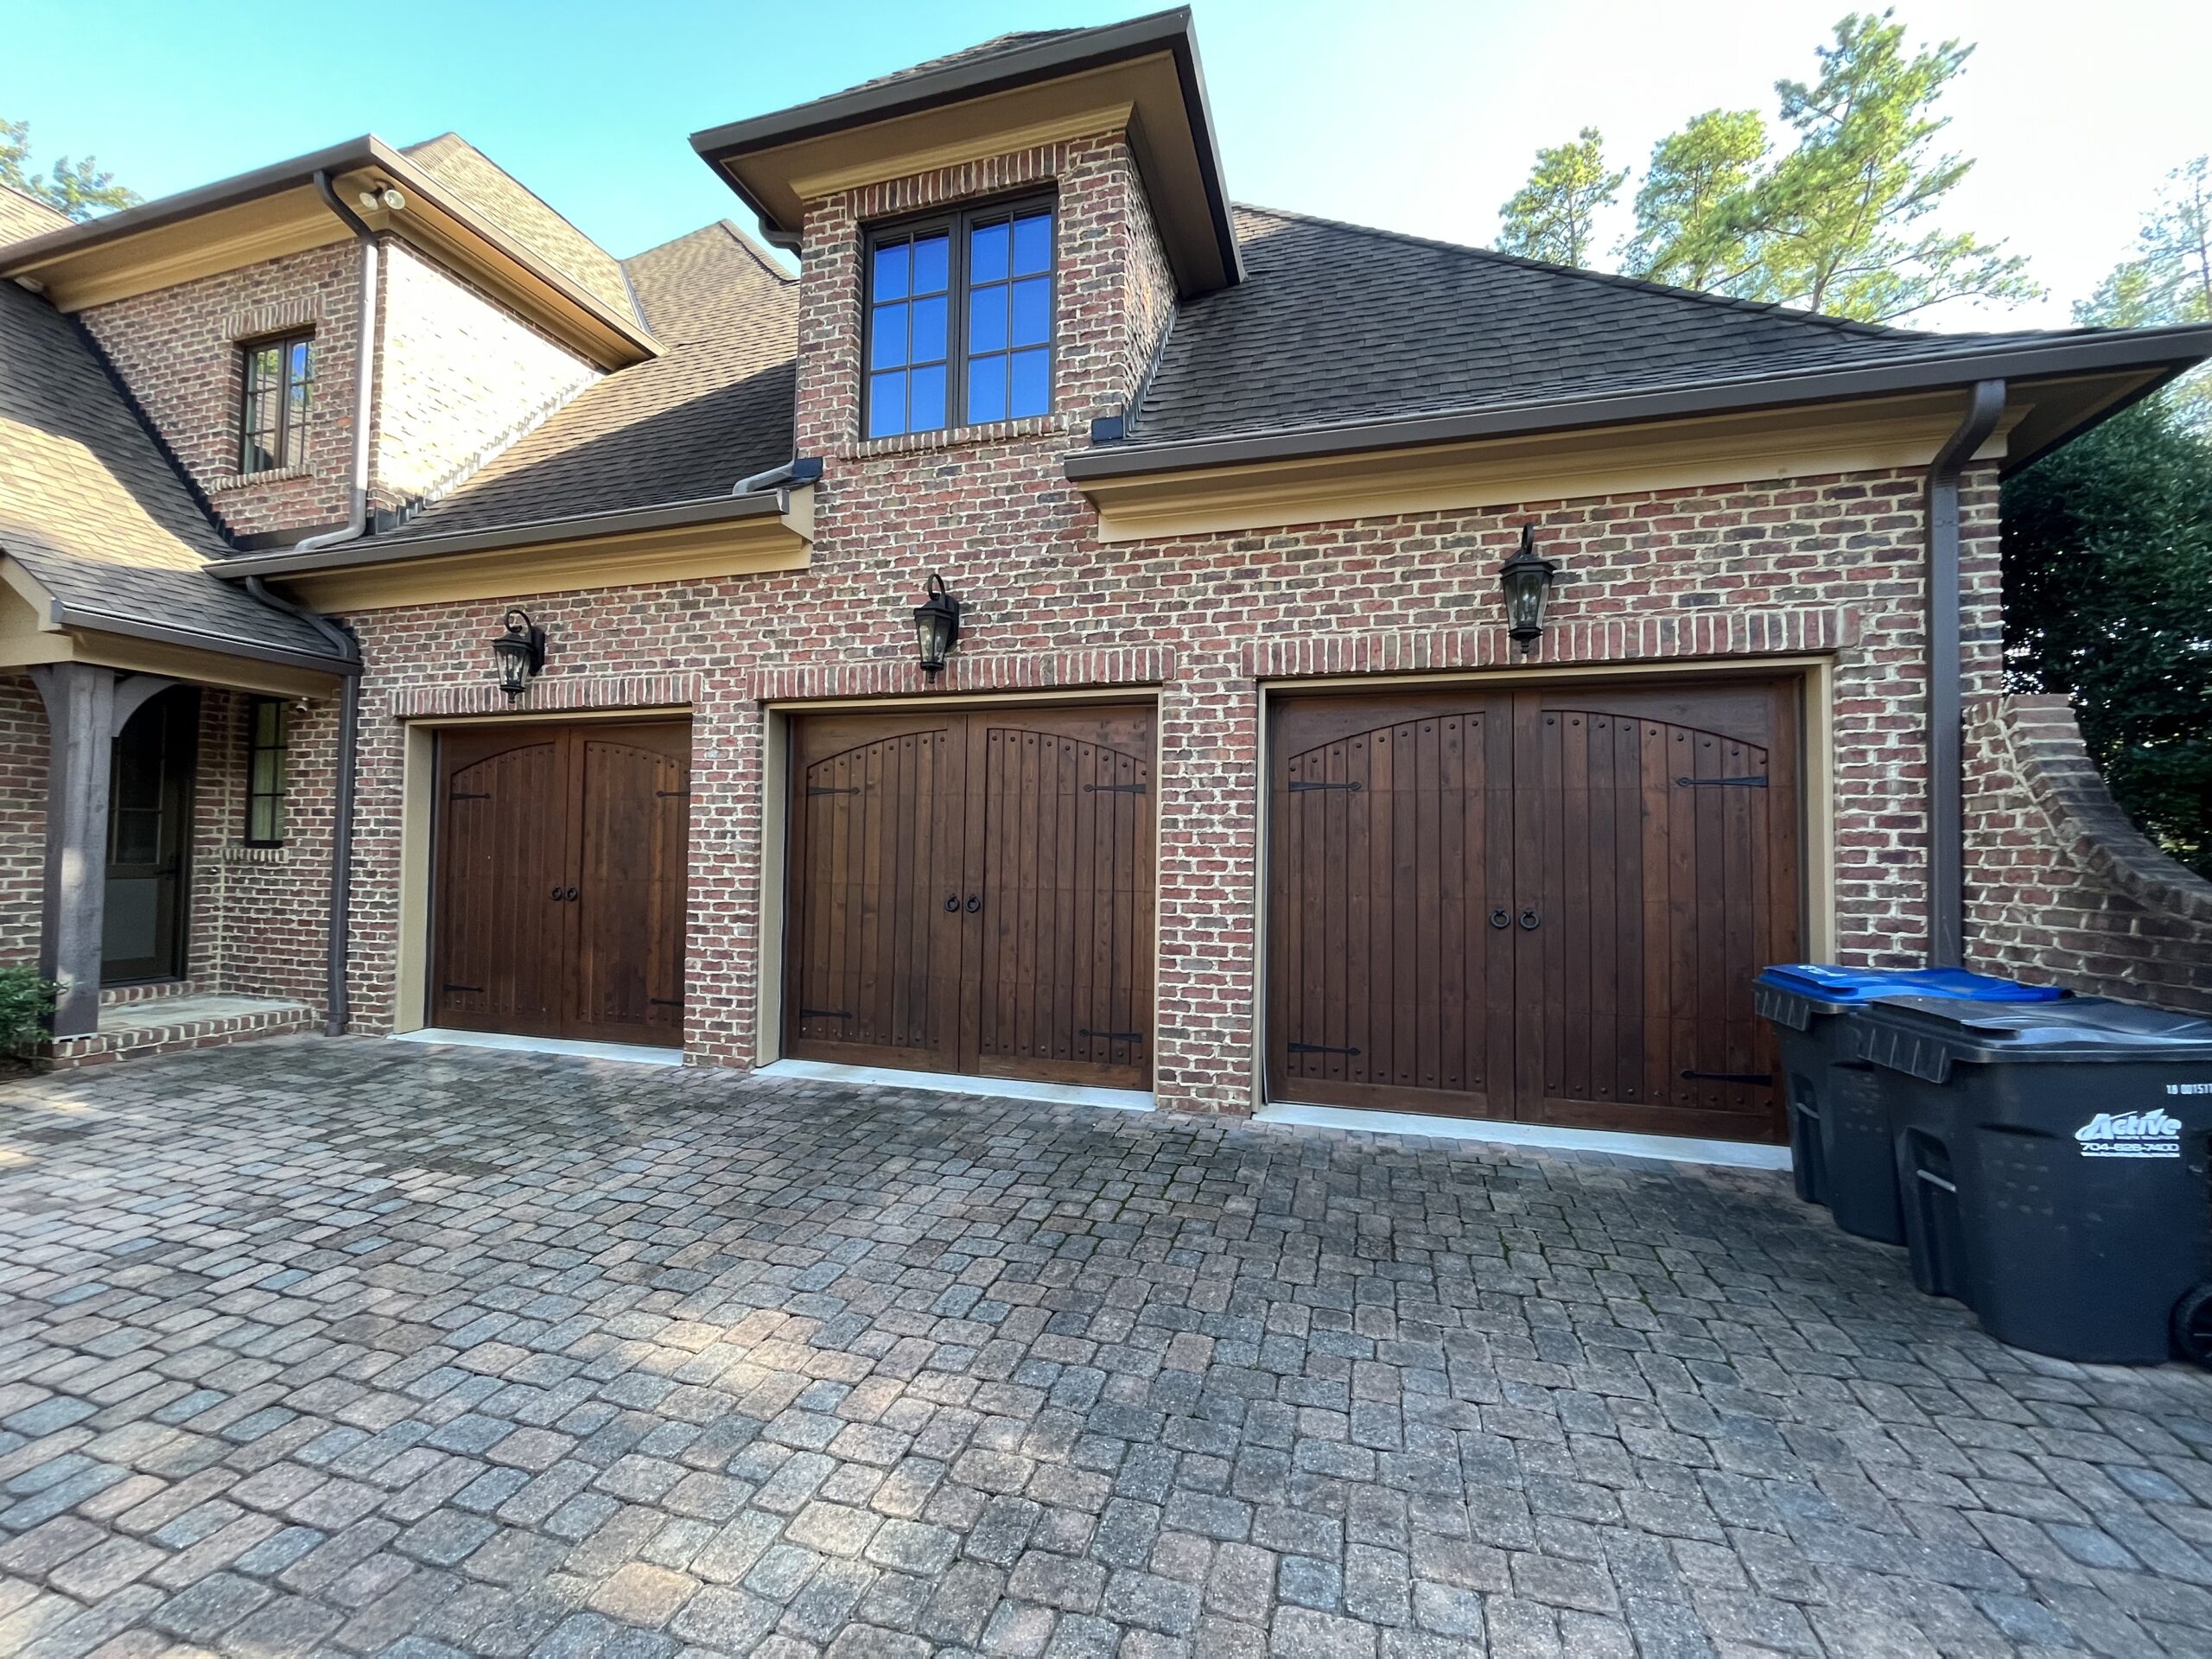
(2061, 887)
(178, 349)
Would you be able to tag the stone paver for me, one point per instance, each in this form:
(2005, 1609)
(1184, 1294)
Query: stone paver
(360, 1348)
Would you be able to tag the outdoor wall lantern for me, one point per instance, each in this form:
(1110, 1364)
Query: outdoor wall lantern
(936, 627)
(520, 651)
(1528, 581)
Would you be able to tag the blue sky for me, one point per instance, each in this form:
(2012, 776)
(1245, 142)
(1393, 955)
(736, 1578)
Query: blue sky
(1409, 114)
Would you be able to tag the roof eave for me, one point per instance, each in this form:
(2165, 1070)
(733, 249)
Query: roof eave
(2173, 351)
(707, 509)
(1165, 31)
(81, 618)
(27, 256)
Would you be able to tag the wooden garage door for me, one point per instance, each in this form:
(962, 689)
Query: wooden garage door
(973, 892)
(560, 879)
(1539, 905)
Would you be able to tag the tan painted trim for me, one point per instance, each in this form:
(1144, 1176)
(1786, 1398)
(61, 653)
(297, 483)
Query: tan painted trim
(1873, 434)
(224, 239)
(770, 966)
(417, 784)
(1817, 746)
(680, 553)
(927, 157)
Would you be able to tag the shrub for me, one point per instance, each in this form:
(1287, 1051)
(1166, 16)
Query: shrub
(25, 1000)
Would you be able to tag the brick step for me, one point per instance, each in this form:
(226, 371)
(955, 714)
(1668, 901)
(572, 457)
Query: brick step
(152, 990)
(135, 1029)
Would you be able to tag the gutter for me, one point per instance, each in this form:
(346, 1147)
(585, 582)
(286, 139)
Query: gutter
(1947, 909)
(70, 616)
(713, 509)
(357, 516)
(337, 1010)
(2061, 354)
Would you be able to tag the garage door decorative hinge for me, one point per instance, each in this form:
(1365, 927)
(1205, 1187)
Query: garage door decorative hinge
(825, 1014)
(464, 795)
(1297, 784)
(1728, 1077)
(1111, 1036)
(1113, 789)
(673, 794)
(1319, 1048)
(1722, 783)
(476, 989)
(831, 789)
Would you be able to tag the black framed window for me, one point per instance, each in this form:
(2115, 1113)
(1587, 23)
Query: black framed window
(268, 746)
(279, 382)
(960, 320)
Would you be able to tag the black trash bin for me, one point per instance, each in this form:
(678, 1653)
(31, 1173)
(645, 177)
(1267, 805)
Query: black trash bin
(2052, 1158)
(1839, 1123)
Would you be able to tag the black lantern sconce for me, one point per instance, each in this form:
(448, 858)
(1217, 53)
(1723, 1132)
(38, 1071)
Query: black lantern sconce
(936, 627)
(520, 651)
(1528, 582)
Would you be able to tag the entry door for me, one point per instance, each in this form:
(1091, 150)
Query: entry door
(561, 854)
(150, 839)
(973, 892)
(1544, 905)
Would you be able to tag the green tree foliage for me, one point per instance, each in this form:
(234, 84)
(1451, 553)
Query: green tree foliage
(77, 189)
(2107, 551)
(1690, 229)
(2170, 279)
(1839, 222)
(1553, 216)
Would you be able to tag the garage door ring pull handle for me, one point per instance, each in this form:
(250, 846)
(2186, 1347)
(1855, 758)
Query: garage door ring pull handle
(1529, 919)
(952, 902)
(557, 890)
(975, 903)
(1498, 917)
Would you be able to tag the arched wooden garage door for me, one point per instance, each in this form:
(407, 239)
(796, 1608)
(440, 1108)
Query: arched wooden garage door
(973, 892)
(561, 870)
(1535, 905)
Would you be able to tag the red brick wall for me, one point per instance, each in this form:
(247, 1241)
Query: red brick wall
(22, 817)
(1738, 567)
(178, 349)
(2061, 888)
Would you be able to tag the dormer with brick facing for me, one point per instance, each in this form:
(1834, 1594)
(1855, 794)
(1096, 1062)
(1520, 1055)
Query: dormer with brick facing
(238, 317)
(993, 244)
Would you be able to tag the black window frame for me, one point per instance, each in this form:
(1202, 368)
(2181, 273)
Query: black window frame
(255, 748)
(957, 224)
(291, 431)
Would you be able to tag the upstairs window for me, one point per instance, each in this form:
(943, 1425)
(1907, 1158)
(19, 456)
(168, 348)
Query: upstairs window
(279, 380)
(960, 321)
(268, 744)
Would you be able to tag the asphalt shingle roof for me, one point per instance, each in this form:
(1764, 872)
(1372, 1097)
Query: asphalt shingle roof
(92, 510)
(997, 46)
(1337, 324)
(520, 213)
(21, 216)
(717, 407)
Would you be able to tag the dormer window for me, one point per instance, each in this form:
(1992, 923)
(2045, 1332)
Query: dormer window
(279, 381)
(960, 320)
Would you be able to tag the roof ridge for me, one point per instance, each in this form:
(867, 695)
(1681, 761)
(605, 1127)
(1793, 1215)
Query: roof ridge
(1761, 308)
(734, 232)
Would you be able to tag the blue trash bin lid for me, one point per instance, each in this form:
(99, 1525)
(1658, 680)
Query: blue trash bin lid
(1825, 981)
(1904, 1033)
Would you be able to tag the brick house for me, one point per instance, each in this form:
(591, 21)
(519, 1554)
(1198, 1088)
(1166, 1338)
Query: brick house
(1232, 790)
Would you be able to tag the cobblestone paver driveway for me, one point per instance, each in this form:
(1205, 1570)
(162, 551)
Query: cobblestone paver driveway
(360, 1348)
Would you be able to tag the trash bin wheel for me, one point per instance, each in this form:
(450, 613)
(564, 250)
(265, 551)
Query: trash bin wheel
(2193, 1327)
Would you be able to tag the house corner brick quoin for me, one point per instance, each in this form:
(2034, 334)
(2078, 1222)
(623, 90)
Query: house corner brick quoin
(1232, 787)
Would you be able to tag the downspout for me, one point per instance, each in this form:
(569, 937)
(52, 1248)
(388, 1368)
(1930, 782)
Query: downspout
(1947, 908)
(341, 828)
(357, 519)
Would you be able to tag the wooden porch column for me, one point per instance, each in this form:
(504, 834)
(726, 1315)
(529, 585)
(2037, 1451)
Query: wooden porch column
(85, 707)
